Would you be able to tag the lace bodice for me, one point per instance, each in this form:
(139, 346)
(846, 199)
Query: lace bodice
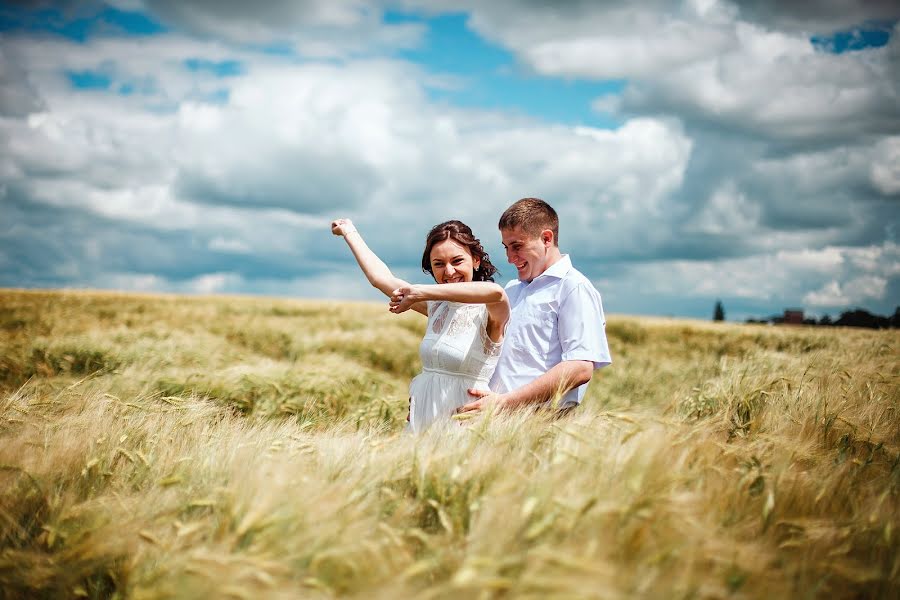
(456, 340)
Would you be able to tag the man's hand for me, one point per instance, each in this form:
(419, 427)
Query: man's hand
(342, 227)
(485, 400)
(403, 298)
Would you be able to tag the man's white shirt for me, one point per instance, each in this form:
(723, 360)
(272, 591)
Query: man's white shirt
(556, 317)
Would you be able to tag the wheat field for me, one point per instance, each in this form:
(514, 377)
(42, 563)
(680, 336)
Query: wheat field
(232, 447)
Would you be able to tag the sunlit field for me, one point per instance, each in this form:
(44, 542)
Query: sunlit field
(217, 447)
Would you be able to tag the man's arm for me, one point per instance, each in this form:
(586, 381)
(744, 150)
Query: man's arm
(582, 336)
(561, 378)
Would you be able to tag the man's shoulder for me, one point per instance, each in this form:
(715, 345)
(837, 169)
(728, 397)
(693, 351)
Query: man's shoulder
(575, 275)
(574, 279)
(575, 286)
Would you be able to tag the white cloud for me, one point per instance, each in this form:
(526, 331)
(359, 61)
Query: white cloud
(778, 86)
(811, 16)
(232, 245)
(345, 285)
(296, 144)
(17, 97)
(835, 294)
(827, 260)
(135, 282)
(313, 28)
(212, 283)
(832, 277)
(733, 64)
(748, 165)
(728, 212)
(609, 40)
(885, 170)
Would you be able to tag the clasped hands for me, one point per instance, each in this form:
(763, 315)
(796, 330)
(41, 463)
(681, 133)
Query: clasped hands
(403, 298)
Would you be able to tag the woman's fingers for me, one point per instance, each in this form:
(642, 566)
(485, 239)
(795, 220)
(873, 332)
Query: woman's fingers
(396, 304)
(342, 226)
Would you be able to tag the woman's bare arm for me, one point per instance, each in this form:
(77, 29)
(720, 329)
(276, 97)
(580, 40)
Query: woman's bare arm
(471, 292)
(378, 273)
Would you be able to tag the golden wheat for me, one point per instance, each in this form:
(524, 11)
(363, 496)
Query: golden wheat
(164, 446)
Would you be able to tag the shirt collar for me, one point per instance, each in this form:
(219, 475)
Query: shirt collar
(558, 269)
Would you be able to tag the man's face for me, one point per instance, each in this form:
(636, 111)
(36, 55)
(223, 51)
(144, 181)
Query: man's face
(529, 254)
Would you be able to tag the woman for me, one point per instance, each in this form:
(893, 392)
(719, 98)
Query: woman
(467, 314)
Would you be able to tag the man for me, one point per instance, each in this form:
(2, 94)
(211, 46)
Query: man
(556, 335)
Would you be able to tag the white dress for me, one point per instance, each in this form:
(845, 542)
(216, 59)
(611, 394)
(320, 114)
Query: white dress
(456, 354)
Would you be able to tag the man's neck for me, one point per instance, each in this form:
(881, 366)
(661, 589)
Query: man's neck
(553, 257)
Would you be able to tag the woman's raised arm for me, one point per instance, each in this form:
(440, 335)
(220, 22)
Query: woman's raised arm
(378, 273)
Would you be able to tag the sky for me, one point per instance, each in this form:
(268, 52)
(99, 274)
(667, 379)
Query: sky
(695, 151)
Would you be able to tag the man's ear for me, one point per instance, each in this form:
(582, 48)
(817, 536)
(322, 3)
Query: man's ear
(547, 237)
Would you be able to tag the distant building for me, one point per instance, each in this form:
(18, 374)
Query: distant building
(793, 316)
(849, 318)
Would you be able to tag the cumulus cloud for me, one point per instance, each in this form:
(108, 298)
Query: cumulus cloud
(793, 144)
(779, 86)
(852, 292)
(816, 15)
(17, 97)
(830, 278)
(729, 64)
(885, 166)
(296, 144)
(313, 28)
(606, 40)
(748, 164)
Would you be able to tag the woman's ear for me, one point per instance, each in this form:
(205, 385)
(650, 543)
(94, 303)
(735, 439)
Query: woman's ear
(476, 264)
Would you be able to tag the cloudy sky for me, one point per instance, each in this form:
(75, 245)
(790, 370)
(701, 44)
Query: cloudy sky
(748, 151)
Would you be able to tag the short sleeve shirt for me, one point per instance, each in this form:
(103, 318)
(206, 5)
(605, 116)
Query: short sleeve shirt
(556, 317)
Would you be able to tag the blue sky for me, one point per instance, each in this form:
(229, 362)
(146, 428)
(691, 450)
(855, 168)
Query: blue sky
(490, 77)
(695, 151)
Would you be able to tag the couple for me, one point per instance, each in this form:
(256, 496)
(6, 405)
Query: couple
(537, 340)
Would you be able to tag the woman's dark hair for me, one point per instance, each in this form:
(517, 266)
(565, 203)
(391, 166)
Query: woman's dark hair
(462, 234)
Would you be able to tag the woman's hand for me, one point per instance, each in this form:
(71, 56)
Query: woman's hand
(403, 298)
(342, 227)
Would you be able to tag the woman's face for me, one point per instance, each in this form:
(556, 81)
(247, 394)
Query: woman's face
(452, 262)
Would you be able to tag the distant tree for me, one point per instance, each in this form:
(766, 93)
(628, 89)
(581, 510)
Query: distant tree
(719, 312)
(862, 318)
(858, 317)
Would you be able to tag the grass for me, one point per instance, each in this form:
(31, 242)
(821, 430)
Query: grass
(164, 446)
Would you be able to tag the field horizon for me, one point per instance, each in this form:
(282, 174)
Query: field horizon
(165, 445)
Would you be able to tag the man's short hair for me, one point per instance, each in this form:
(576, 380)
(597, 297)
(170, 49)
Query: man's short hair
(533, 215)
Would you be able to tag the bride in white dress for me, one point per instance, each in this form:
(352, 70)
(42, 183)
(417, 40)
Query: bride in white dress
(467, 314)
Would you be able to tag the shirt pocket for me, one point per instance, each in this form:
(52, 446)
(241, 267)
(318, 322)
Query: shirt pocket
(537, 329)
